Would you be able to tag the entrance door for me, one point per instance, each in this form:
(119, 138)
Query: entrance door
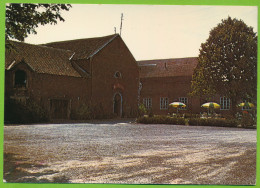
(118, 104)
(59, 109)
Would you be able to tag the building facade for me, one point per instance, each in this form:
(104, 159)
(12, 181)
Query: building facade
(61, 77)
(164, 81)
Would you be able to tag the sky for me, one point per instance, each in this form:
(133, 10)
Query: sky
(149, 31)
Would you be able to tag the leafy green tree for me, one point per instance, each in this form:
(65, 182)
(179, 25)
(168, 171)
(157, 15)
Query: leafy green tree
(227, 63)
(23, 19)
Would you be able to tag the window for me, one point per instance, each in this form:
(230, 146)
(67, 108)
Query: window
(20, 78)
(164, 103)
(147, 103)
(224, 103)
(185, 101)
(117, 74)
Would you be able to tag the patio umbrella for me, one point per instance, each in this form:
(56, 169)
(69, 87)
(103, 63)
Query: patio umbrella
(210, 105)
(246, 104)
(177, 105)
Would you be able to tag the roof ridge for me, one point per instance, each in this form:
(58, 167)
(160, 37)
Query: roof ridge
(78, 39)
(167, 59)
(84, 48)
(40, 45)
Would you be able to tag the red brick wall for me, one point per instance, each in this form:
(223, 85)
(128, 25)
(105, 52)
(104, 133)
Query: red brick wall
(44, 87)
(115, 57)
(173, 88)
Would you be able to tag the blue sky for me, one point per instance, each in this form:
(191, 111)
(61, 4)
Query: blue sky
(149, 31)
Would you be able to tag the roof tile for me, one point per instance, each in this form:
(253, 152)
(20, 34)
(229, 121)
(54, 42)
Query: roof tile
(41, 59)
(167, 67)
(83, 48)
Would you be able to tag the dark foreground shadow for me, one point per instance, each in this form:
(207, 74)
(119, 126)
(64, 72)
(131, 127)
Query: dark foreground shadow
(15, 171)
(66, 121)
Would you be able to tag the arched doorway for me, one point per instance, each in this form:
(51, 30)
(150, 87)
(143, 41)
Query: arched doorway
(117, 104)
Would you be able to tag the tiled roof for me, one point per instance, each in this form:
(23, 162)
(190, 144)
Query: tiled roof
(41, 59)
(167, 67)
(83, 48)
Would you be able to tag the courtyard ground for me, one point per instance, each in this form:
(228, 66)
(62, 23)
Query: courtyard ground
(124, 152)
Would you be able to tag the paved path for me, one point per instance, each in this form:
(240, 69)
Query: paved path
(129, 153)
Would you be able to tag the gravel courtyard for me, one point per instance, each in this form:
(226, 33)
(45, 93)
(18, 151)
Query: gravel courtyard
(113, 152)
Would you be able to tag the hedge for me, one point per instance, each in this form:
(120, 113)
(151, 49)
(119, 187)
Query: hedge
(162, 120)
(213, 122)
(192, 121)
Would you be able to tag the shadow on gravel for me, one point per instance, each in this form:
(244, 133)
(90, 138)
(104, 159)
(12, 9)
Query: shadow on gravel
(95, 121)
(15, 171)
(66, 121)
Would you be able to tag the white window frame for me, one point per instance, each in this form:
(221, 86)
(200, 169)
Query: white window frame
(164, 103)
(147, 103)
(185, 101)
(225, 103)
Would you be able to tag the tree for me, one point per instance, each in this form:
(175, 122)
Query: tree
(23, 19)
(227, 63)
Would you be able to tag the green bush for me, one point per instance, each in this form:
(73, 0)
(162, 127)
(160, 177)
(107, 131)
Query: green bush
(31, 112)
(213, 122)
(141, 110)
(161, 120)
(190, 115)
(247, 120)
(84, 112)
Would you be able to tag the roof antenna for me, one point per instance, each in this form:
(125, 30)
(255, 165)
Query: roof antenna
(121, 23)
(115, 29)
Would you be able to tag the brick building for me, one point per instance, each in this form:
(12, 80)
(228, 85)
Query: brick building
(63, 76)
(164, 81)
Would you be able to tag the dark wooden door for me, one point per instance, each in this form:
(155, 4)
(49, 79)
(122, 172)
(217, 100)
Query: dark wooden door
(59, 109)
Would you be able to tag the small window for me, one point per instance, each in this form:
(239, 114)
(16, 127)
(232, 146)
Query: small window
(164, 103)
(20, 79)
(185, 101)
(224, 103)
(147, 103)
(117, 74)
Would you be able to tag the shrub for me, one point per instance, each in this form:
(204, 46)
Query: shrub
(213, 122)
(84, 112)
(247, 120)
(141, 110)
(161, 120)
(189, 115)
(17, 112)
(150, 113)
(193, 121)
